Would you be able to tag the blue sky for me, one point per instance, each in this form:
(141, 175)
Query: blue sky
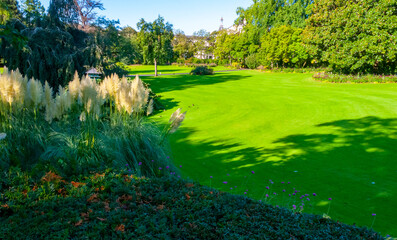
(187, 15)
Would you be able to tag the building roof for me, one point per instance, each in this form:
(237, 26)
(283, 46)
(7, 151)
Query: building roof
(93, 71)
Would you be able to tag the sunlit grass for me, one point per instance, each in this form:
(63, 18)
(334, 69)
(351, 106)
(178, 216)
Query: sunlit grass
(149, 69)
(336, 140)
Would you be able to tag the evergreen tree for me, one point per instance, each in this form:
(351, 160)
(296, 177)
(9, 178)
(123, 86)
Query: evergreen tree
(31, 10)
(8, 9)
(50, 53)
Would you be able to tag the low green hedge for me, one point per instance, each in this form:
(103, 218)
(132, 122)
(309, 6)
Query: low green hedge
(368, 78)
(117, 205)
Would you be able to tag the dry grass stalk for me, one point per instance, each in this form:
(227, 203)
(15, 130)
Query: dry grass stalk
(176, 120)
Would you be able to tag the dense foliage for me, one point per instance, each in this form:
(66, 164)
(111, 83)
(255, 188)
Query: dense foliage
(50, 53)
(120, 205)
(52, 47)
(354, 36)
(266, 25)
(282, 46)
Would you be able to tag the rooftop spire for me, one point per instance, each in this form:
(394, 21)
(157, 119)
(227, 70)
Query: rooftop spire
(221, 27)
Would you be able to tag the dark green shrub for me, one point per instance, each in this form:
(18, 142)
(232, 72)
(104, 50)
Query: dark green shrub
(202, 70)
(109, 204)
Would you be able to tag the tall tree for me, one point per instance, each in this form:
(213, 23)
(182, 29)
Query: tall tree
(183, 45)
(62, 13)
(31, 10)
(224, 45)
(86, 11)
(156, 41)
(263, 15)
(201, 42)
(282, 46)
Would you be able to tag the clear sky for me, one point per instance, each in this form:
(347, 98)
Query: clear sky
(187, 15)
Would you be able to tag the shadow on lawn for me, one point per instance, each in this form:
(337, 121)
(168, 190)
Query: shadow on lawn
(356, 162)
(180, 82)
(371, 141)
(163, 103)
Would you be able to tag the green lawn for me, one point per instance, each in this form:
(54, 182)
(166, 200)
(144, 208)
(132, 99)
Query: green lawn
(336, 140)
(148, 69)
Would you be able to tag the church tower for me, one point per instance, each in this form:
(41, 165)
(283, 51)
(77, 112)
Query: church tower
(221, 27)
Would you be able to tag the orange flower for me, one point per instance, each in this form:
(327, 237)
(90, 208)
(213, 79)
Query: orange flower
(78, 223)
(97, 175)
(160, 207)
(93, 198)
(187, 196)
(124, 198)
(51, 177)
(120, 228)
(77, 184)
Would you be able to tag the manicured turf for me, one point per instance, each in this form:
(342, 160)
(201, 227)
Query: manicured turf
(147, 69)
(336, 140)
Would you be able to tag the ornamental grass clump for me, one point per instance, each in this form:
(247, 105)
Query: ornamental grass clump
(121, 96)
(80, 128)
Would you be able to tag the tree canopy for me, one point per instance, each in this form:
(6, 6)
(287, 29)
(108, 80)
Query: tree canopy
(354, 36)
(156, 41)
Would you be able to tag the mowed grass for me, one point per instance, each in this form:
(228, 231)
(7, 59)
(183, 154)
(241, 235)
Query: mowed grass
(161, 69)
(336, 140)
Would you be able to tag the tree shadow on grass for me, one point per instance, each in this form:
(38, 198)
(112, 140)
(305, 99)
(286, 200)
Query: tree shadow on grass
(163, 103)
(352, 142)
(352, 160)
(180, 82)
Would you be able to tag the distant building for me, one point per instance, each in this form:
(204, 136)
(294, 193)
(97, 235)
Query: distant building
(93, 74)
(235, 28)
(204, 54)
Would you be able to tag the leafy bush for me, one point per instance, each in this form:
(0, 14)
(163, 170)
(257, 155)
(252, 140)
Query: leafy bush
(251, 61)
(202, 70)
(119, 205)
(235, 65)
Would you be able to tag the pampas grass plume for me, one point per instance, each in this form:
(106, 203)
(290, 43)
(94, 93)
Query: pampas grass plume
(177, 120)
(35, 92)
(74, 87)
(150, 108)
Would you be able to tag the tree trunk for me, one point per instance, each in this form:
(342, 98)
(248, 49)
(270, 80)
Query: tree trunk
(155, 67)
